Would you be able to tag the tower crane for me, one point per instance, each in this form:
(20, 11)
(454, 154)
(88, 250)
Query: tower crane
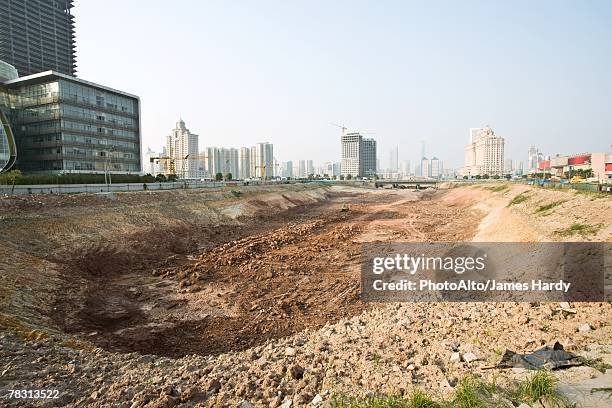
(344, 128)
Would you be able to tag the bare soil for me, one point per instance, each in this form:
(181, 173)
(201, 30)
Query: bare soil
(251, 297)
(203, 290)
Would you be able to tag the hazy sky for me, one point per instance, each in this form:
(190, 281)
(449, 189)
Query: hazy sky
(240, 72)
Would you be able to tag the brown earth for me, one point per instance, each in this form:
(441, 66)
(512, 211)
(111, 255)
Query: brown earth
(251, 296)
(286, 273)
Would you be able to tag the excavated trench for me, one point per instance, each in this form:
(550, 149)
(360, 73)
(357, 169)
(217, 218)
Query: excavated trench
(202, 289)
(148, 295)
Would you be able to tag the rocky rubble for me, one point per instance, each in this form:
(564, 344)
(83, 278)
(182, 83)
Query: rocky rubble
(387, 350)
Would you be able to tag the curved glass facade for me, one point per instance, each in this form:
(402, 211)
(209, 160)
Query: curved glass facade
(7, 72)
(8, 153)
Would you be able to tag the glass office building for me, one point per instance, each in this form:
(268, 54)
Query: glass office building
(64, 124)
(38, 35)
(8, 151)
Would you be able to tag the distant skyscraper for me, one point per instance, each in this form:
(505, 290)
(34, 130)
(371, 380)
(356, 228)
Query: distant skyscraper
(394, 160)
(38, 35)
(508, 166)
(229, 161)
(179, 144)
(358, 155)
(425, 168)
(368, 158)
(262, 160)
(244, 160)
(534, 156)
(435, 168)
(309, 168)
(301, 169)
(405, 170)
(287, 169)
(484, 155)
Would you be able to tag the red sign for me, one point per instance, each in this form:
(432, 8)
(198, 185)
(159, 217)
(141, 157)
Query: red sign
(578, 160)
(544, 165)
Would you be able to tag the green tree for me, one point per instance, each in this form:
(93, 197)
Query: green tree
(486, 176)
(228, 176)
(219, 177)
(478, 177)
(172, 177)
(10, 178)
(465, 177)
(161, 178)
(349, 176)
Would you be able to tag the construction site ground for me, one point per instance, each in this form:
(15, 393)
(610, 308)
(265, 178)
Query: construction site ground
(213, 297)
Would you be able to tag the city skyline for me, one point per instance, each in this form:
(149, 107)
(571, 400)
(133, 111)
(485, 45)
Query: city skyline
(408, 72)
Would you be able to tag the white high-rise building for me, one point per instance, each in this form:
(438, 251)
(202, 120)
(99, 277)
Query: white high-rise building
(287, 169)
(244, 163)
(301, 173)
(534, 156)
(484, 155)
(180, 144)
(394, 160)
(425, 168)
(405, 169)
(309, 168)
(358, 155)
(262, 161)
(228, 160)
(508, 166)
(436, 169)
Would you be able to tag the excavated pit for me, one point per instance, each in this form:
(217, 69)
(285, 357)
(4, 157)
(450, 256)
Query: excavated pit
(173, 297)
(201, 289)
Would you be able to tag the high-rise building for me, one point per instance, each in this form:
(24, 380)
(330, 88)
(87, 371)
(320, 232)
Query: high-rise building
(309, 168)
(405, 169)
(228, 160)
(244, 160)
(287, 169)
(394, 160)
(262, 160)
(484, 155)
(182, 147)
(435, 168)
(211, 164)
(369, 162)
(332, 169)
(534, 156)
(302, 168)
(425, 168)
(508, 166)
(65, 124)
(358, 155)
(38, 35)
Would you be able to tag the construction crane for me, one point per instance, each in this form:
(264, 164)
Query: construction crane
(344, 128)
(263, 173)
(168, 164)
